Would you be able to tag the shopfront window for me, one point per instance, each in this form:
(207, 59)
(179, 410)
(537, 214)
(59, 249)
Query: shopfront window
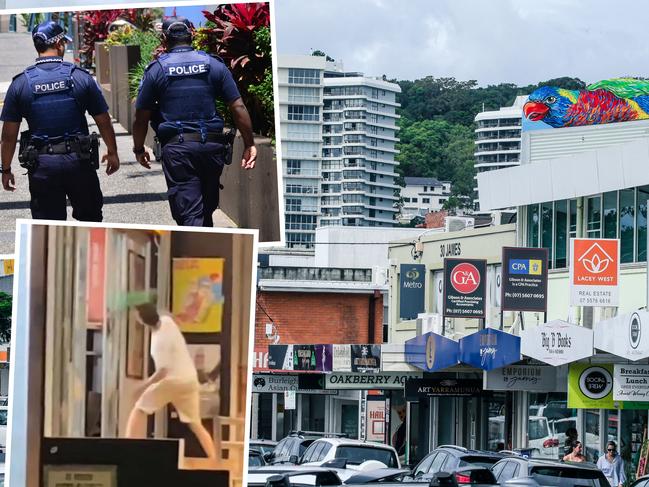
(594, 217)
(641, 222)
(610, 214)
(592, 434)
(634, 423)
(549, 424)
(495, 407)
(533, 225)
(560, 233)
(313, 412)
(546, 228)
(627, 224)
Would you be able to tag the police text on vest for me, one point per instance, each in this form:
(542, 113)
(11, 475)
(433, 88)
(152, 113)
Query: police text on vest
(48, 87)
(187, 69)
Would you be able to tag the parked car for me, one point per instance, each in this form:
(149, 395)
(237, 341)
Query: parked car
(3, 430)
(290, 449)
(266, 447)
(291, 475)
(516, 471)
(360, 455)
(450, 458)
(641, 482)
(255, 458)
(540, 436)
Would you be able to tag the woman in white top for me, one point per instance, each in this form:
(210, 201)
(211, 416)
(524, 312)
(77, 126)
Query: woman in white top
(175, 379)
(612, 465)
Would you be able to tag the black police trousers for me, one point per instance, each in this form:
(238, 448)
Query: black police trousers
(60, 176)
(192, 171)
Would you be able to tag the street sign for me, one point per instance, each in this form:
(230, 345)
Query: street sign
(557, 342)
(532, 378)
(418, 388)
(383, 380)
(594, 271)
(630, 382)
(524, 279)
(465, 288)
(489, 349)
(366, 358)
(626, 335)
(412, 287)
(431, 352)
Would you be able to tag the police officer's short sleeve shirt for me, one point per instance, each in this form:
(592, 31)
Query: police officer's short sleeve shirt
(19, 97)
(152, 84)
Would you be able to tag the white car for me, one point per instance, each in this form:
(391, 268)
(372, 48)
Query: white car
(540, 437)
(353, 456)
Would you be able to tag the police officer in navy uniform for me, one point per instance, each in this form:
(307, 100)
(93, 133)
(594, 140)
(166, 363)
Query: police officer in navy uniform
(53, 96)
(178, 96)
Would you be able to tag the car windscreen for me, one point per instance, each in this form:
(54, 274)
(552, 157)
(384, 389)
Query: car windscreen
(356, 455)
(255, 461)
(568, 477)
(478, 461)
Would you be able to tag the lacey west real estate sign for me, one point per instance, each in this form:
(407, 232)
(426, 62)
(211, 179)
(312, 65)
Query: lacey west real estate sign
(524, 279)
(594, 271)
(465, 288)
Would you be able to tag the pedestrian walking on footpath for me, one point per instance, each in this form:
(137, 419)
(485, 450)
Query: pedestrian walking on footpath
(60, 155)
(175, 380)
(178, 96)
(576, 455)
(612, 465)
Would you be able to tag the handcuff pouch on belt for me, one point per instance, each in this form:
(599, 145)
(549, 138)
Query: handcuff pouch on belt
(27, 151)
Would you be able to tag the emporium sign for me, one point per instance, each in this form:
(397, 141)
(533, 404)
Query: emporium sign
(524, 279)
(383, 380)
(533, 378)
(465, 288)
(594, 272)
(557, 342)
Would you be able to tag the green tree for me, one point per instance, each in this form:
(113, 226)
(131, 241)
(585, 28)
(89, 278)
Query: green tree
(5, 317)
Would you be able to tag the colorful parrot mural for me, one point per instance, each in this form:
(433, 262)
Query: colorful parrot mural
(608, 101)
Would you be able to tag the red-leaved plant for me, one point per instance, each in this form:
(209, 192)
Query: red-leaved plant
(231, 36)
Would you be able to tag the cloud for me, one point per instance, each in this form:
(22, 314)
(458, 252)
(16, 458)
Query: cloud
(496, 41)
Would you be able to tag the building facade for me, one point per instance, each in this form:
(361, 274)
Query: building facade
(338, 136)
(421, 196)
(498, 138)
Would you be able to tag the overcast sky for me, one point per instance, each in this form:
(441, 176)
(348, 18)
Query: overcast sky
(492, 41)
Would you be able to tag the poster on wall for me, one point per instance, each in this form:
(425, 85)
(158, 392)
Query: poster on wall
(366, 358)
(311, 358)
(626, 335)
(207, 360)
(631, 382)
(197, 299)
(412, 290)
(280, 357)
(594, 271)
(375, 424)
(342, 358)
(524, 283)
(465, 288)
(557, 342)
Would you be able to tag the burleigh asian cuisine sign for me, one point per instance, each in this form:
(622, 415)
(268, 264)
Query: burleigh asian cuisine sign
(631, 382)
(626, 335)
(557, 342)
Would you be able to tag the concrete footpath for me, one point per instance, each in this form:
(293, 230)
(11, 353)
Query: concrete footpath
(132, 195)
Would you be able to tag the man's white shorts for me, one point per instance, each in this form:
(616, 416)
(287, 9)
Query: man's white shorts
(183, 394)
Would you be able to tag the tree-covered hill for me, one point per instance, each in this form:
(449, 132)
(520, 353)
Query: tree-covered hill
(437, 137)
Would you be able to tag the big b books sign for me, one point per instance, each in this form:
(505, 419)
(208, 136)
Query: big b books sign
(465, 288)
(594, 272)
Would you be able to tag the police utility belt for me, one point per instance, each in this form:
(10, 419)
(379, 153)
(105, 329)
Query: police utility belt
(227, 139)
(85, 146)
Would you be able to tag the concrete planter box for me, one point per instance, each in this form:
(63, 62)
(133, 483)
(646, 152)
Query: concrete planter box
(250, 198)
(122, 60)
(102, 72)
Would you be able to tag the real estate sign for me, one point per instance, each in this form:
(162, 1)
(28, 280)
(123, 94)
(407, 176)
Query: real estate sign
(594, 271)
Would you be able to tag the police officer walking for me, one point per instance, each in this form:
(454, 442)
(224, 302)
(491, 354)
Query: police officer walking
(60, 155)
(178, 96)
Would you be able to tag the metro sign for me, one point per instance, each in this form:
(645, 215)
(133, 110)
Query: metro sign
(594, 272)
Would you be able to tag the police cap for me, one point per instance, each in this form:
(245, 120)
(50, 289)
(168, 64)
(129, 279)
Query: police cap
(177, 27)
(49, 33)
